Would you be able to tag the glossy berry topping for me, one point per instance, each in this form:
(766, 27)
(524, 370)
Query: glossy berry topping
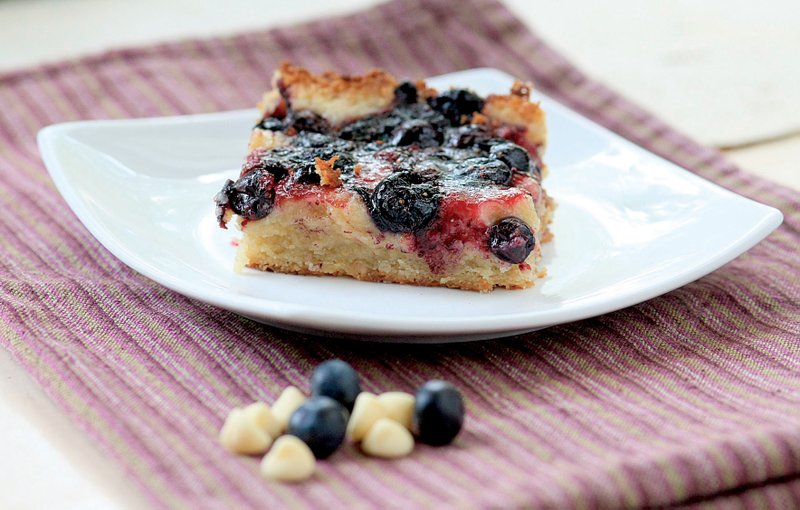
(468, 136)
(406, 93)
(417, 132)
(512, 155)
(262, 160)
(457, 105)
(438, 413)
(511, 240)
(371, 128)
(486, 169)
(312, 139)
(305, 120)
(306, 175)
(404, 202)
(320, 422)
(336, 379)
(344, 162)
(430, 171)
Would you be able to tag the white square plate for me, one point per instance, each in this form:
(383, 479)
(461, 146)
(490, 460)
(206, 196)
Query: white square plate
(629, 226)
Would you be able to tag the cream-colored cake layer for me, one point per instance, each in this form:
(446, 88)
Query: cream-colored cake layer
(307, 236)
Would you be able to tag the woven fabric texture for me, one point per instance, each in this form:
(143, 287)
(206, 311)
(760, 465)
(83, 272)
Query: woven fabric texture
(692, 398)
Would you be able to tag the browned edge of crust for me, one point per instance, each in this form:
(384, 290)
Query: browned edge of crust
(380, 277)
(337, 97)
(517, 109)
(373, 82)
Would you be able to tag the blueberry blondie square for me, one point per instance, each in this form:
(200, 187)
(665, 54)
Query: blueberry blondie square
(392, 181)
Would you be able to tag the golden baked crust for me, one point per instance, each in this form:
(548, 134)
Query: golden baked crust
(328, 175)
(336, 97)
(517, 109)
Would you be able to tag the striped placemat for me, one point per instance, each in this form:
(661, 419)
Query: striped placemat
(691, 398)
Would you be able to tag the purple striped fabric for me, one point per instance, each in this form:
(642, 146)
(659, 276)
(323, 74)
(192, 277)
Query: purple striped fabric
(691, 399)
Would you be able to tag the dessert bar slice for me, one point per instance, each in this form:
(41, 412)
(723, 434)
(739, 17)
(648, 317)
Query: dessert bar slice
(381, 180)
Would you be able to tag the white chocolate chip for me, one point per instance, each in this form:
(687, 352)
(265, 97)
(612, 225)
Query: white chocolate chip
(262, 415)
(388, 438)
(287, 403)
(241, 434)
(399, 406)
(289, 460)
(366, 411)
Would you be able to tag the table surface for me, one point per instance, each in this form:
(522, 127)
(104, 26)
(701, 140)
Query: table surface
(722, 71)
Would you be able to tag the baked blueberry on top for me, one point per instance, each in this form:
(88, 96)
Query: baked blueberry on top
(381, 180)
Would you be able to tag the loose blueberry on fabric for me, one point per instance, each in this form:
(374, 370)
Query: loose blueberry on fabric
(403, 202)
(336, 379)
(511, 240)
(438, 413)
(317, 426)
(320, 422)
(514, 156)
(486, 169)
(456, 104)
